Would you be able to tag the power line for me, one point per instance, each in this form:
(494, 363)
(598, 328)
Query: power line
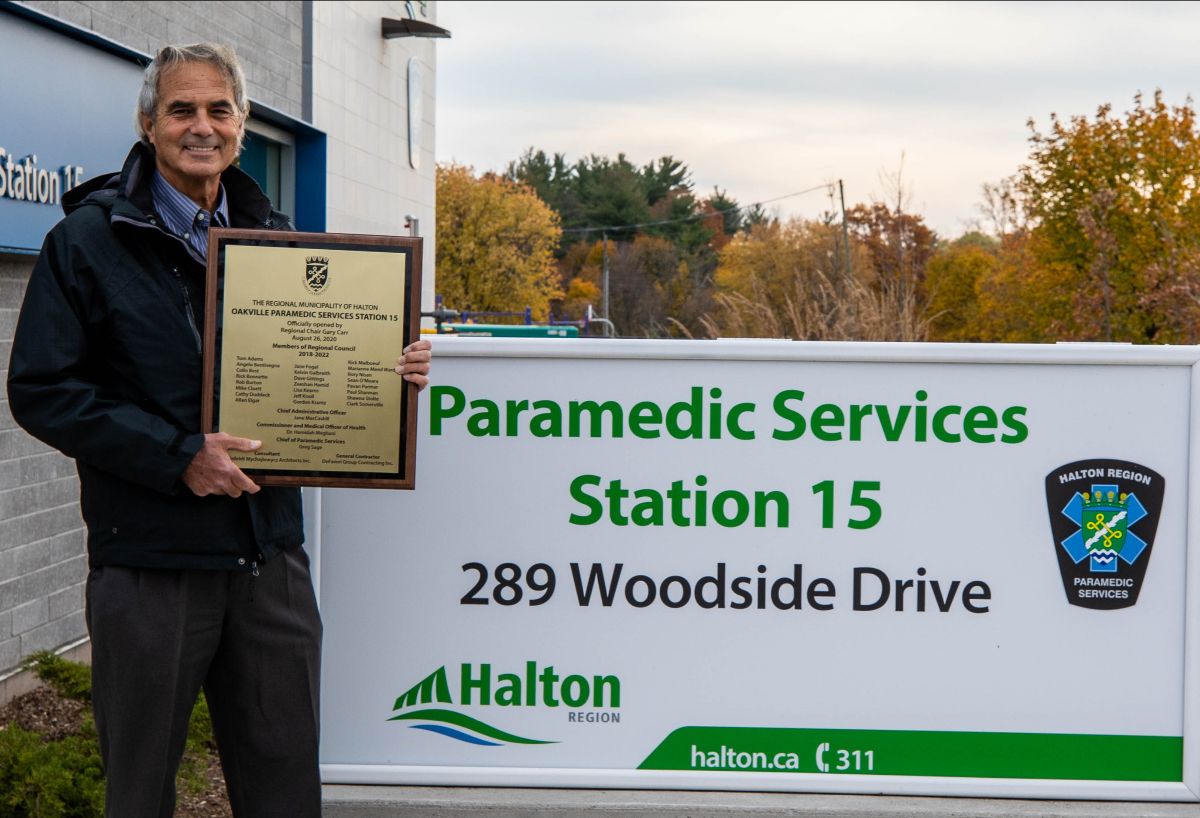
(695, 216)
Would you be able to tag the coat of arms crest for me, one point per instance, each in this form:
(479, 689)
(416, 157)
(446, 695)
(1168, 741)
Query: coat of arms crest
(316, 274)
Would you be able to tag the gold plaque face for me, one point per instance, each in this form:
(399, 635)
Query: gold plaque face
(303, 332)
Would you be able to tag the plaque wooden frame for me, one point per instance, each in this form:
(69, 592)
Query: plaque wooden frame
(408, 248)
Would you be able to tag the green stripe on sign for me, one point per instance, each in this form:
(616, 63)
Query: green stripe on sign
(919, 752)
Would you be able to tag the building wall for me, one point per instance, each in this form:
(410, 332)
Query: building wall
(43, 560)
(267, 35)
(360, 99)
(42, 548)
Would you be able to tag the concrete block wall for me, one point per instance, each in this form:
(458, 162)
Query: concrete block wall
(43, 561)
(267, 35)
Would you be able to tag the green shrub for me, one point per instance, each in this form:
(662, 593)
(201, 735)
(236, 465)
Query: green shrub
(58, 779)
(64, 779)
(71, 680)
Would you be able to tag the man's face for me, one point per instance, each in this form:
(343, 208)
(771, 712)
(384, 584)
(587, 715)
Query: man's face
(196, 128)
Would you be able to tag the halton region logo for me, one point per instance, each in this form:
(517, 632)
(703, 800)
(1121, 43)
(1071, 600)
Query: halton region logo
(429, 704)
(316, 274)
(1103, 515)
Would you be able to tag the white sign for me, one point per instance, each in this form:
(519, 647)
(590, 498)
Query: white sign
(774, 566)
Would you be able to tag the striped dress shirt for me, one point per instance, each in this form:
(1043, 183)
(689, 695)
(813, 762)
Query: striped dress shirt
(185, 218)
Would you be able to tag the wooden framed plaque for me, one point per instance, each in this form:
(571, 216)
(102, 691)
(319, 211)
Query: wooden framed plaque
(302, 332)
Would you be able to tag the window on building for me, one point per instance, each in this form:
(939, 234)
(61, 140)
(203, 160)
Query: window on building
(268, 156)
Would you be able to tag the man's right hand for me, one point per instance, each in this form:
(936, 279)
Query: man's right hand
(212, 471)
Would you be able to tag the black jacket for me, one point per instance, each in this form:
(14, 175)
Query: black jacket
(106, 368)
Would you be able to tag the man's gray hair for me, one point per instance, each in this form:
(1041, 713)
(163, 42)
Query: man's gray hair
(220, 56)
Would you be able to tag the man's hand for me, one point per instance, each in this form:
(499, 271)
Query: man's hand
(413, 364)
(213, 472)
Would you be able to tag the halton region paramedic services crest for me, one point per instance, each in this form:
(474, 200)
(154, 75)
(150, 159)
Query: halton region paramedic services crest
(1103, 515)
(316, 274)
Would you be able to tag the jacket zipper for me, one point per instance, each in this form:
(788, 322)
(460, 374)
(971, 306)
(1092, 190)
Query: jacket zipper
(187, 308)
(187, 299)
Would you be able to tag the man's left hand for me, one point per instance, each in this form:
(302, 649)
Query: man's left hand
(212, 471)
(413, 364)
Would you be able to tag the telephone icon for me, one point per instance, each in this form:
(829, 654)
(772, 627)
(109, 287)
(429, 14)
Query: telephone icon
(822, 749)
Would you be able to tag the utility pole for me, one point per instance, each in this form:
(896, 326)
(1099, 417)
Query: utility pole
(608, 324)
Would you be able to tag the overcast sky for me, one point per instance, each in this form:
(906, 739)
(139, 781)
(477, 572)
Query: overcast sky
(765, 99)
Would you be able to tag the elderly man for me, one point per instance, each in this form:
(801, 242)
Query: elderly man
(197, 578)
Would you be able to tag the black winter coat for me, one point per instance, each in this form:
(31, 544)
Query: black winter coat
(106, 368)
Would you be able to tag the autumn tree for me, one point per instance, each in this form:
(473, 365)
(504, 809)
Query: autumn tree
(675, 212)
(898, 244)
(1003, 209)
(640, 272)
(1115, 225)
(496, 243)
(1022, 300)
(731, 219)
(598, 197)
(653, 292)
(953, 280)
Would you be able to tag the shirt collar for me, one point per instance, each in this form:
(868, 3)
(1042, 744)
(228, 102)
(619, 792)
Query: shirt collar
(181, 214)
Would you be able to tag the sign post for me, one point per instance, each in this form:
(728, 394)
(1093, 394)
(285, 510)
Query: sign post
(900, 568)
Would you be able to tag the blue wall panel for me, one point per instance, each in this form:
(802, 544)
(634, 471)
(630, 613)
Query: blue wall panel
(67, 97)
(66, 103)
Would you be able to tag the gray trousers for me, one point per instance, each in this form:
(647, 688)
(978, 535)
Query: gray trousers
(253, 643)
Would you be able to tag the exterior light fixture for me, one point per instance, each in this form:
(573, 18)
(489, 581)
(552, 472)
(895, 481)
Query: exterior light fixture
(411, 28)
